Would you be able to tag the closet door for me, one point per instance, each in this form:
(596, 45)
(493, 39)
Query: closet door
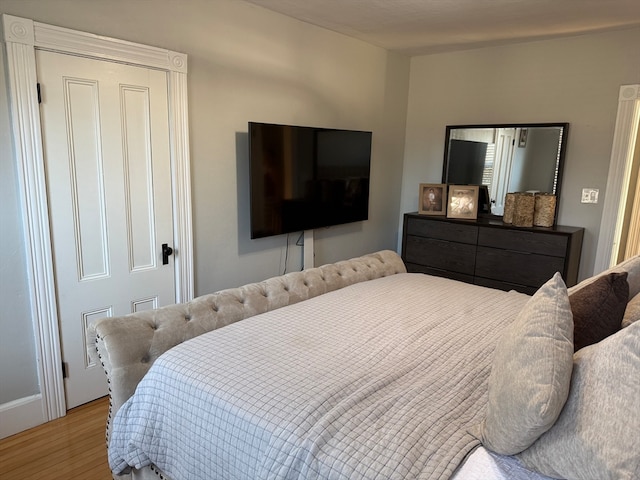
(106, 147)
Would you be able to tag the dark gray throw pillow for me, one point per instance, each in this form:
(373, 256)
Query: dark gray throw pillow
(598, 309)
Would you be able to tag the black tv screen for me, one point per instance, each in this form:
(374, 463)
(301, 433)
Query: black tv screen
(302, 178)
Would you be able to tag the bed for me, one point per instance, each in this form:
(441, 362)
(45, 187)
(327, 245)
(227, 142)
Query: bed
(359, 369)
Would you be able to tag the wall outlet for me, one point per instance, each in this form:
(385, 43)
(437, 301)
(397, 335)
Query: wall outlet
(590, 195)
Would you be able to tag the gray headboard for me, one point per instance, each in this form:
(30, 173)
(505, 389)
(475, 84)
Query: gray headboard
(127, 346)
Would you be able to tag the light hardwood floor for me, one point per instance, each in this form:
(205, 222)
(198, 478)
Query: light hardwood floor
(71, 447)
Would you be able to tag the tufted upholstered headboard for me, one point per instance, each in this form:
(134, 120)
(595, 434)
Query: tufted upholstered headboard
(127, 346)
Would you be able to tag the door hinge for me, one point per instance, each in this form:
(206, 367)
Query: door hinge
(65, 370)
(39, 92)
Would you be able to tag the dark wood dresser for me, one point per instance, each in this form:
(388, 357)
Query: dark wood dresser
(490, 253)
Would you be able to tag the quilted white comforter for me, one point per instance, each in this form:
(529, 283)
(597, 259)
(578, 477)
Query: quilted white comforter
(380, 379)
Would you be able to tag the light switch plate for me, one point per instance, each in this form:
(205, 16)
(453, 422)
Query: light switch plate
(590, 195)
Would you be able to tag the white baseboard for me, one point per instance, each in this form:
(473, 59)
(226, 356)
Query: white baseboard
(21, 414)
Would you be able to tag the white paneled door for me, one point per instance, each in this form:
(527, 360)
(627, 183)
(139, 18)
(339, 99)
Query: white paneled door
(106, 147)
(502, 166)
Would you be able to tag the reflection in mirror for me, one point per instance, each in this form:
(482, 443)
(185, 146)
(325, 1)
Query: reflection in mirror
(506, 158)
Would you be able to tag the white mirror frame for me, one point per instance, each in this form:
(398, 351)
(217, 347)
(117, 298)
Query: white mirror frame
(624, 140)
(22, 37)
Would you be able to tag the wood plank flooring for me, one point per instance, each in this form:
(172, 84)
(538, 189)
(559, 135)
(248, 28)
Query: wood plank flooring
(71, 447)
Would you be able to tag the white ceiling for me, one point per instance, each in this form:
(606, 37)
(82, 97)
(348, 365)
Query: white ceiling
(417, 27)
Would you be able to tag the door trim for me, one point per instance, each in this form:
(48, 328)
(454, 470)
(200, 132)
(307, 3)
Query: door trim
(22, 37)
(624, 139)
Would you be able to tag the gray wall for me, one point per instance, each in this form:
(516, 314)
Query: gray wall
(573, 80)
(245, 64)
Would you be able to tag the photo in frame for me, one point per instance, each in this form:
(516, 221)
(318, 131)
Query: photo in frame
(432, 199)
(522, 140)
(463, 202)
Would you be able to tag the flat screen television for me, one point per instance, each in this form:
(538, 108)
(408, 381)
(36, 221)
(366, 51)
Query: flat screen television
(303, 178)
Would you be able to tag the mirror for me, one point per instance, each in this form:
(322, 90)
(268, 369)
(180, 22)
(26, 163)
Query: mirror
(506, 158)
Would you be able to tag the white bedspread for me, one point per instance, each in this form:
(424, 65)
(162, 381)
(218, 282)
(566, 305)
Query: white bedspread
(377, 380)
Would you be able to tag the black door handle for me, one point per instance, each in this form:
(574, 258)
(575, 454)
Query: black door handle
(166, 251)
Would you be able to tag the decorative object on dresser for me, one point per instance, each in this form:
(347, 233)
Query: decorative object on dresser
(463, 202)
(432, 199)
(544, 213)
(528, 209)
(490, 253)
(523, 209)
(509, 203)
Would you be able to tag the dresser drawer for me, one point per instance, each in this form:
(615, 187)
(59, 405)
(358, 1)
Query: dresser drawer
(442, 230)
(498, 285)
(415, 268)
(528, 269)
(524, 241)
(440, 254)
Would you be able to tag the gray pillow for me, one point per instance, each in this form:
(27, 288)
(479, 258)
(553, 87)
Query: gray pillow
(632, 312)
(529, 380)
(597, 434)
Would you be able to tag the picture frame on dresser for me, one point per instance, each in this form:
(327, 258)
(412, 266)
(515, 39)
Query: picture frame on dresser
(432, 199)
(463, 202)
